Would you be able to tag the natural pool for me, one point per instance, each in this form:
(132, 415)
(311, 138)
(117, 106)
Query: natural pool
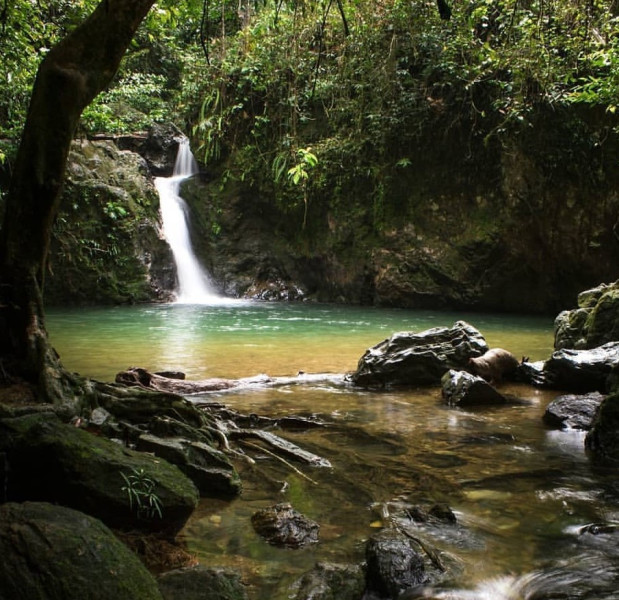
(521, 492)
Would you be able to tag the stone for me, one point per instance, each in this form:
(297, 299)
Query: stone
(582, 370)
(328, 581)
(603, 437)
(57, 553)
(281, 525)
(410, 359)
(201, 583)
(594, 323)
(208, 468)
(393, 566)
(53, 462)
(460, 388)
(573, 411)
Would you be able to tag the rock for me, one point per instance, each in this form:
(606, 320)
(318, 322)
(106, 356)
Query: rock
(201, 583)
(573, 411)
(56, 553)
(393, 566)
(603, 437)
(328, 581)
(463, 389)
(106, 244)
(161, 147)
(409, 359)
(594, 323)
(582, 370)
(53, 462)
(281, 525)
(141, 405)
(208, 468)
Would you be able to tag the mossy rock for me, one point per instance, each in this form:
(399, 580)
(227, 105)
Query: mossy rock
(202, 583)
(54, 462)
(603, 439)
(57, 553)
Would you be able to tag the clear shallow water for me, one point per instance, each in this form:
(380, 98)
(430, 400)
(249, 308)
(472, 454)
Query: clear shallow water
(521, 492)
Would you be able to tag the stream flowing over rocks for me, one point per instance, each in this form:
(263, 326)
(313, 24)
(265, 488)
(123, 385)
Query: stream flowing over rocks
(138, 454)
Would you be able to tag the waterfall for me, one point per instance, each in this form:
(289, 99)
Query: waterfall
(194, 285)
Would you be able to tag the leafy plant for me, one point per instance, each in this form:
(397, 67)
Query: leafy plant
(299, 173)
(140, 490)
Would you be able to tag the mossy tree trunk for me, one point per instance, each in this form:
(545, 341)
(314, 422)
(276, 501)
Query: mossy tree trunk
(69, 78)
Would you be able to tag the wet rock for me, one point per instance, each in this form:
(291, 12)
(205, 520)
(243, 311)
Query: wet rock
(56, 553)
(533, 373)
(328, 581)
(582, 370)
(594, 323)
(161, 147)
(460, 388)
(106, 244)
(393, 565)
(53, 462)
(573, 411)
(603, 437)
(201, 583)
(208, 468)
(409, 359)
(281, 525)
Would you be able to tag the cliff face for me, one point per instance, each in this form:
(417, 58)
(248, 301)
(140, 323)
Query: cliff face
(521, 226)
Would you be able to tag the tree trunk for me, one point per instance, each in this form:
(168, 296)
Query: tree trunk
(69, 78)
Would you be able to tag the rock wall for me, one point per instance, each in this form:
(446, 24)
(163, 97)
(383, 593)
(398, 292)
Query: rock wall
(515, 227)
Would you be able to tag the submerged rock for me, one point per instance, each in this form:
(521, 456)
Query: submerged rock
(56, 553)
(328, 581)
(573, 411)
(393, 565)
(409, 359)
(460, 388)
(201, 583)
(281, 525)
(53, 462)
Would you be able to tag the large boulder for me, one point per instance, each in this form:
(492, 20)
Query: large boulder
(55, 462)
(56, 553)
(603, 438)
(582, 370)
(573, 411)
(594, 323)
(106, 244)
(410, 359)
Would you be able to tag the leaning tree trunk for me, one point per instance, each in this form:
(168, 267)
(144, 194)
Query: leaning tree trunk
(71, 75)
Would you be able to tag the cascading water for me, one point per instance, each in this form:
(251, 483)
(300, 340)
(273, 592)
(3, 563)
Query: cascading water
(194, 285)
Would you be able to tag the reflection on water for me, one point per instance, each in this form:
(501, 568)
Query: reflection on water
(522, 494)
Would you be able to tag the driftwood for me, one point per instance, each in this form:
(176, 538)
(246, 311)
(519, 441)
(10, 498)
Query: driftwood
(164, 382)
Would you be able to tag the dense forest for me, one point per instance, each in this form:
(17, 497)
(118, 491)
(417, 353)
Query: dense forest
(392, 153)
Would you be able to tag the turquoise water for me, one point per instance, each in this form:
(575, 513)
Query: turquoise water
(521, 492)
(239, 339)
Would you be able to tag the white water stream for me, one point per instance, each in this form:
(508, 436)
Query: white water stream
(194, 285)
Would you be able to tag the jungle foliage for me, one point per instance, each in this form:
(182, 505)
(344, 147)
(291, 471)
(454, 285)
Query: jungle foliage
(357, 83)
